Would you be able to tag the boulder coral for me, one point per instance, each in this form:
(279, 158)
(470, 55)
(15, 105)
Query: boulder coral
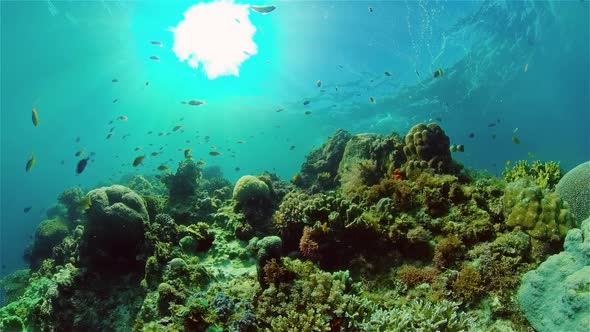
(556, 296)
(253, 199)
(49, 234)
(114, 232)
(427, 146)
(574, 188)
(541, 214)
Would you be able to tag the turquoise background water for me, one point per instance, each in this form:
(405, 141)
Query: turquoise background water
(62, 56)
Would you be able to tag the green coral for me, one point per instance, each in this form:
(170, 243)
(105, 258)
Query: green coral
(14, 284)
(545, 174)
(250, 188)
(574, 188)
(541, 214)
(48, 235)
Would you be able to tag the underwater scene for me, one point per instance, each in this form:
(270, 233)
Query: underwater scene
(295, 165)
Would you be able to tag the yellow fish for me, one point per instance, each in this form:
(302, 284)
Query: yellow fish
(30, 163)
(507, 162)
(85, 203)
(35, 117)
(325, 227)
(162, 168)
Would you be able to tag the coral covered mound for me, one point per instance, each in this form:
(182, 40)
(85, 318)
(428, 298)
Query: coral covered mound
(574, 187)
(556, 296)
(375, 233)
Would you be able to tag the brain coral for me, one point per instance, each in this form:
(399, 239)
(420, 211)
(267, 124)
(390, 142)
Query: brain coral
(114, 231)
(574, 188)
(556, 296)
(250, 188)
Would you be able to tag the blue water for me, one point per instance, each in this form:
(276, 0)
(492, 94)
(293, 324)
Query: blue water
(60, 57)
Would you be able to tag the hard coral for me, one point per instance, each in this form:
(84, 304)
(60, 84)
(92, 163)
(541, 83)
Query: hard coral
(427, 146)
(184, 183)
(574, 188)
(545, 174)
(49, 234)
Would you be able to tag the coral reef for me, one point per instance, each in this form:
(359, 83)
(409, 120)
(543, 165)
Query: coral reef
(556, 296)
(375, 233)
(574, 189)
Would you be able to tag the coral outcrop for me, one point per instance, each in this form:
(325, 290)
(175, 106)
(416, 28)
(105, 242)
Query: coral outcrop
(574, 188)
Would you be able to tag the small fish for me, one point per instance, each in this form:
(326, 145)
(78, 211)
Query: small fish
(319, 83)
(155, 58)
(149, 132)
(138, 160)
(176, 127)
(137, 148)
(531, 155)
(161, 133)
(493, 136)
(370, 9)
(263, 9)
(438, 73)
(507, 162)
(85, 203)
(201, 162)
(163, 167)
(115, 101)
(92, 153)
(195, 102)
(515, 140)
(109, 135)
(214, 153)
(453, 148)
(27, 209)
(515, 130)
(472, 135)
(439, 119)
(153, 154)
(187, 153)
(492, 124)
(417, 73)
(237, 169)
(526, 67)
(62, 162)
(114, 80)
(30, 163)
(461, 148)
(305, 103)
(35, 117)
(387, 73)
(307, 113)
(240, 142)
(238, 21)
(372, 99)
(156, 42)
(147, 83)
(79, 153)
(213, 147)
(122, 118)
(292, 147)
(82, 165)
(280, 110)
(112, 128)
(78, 139)
(325, 227)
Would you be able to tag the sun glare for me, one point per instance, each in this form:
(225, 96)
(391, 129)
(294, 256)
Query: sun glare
(217, 35)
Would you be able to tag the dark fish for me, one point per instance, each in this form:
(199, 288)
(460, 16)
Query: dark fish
(237, 169)
(114, 80)
(493, 124)
(137, 148)
(27, 209)
(109, 135)
(155, 58)
(30, 163)
(437, 73)
(149, 132)
(162, 167)
(214, 153)
(515, 140)
(176, 127)
(155, 42)
(79, 153)
(195, 102)
(77, 139)
(370, 9)
(138, 160)
(115, 101)
(62, 162)
(161, 133)
(280, 110)
(292, 147)
(319, 83)
(155, 154)
(35, 117)
(472, 135)
(387, 73)
(372, 99)
(493, 136)
(417, 73)
(240, 142)
(307, 113)
(263, 9)
(92, 153)
(82, 165)
(438, 118)
(112, 128)
(147, 83)
(305, 103)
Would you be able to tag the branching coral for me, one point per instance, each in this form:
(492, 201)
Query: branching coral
(545, 174)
